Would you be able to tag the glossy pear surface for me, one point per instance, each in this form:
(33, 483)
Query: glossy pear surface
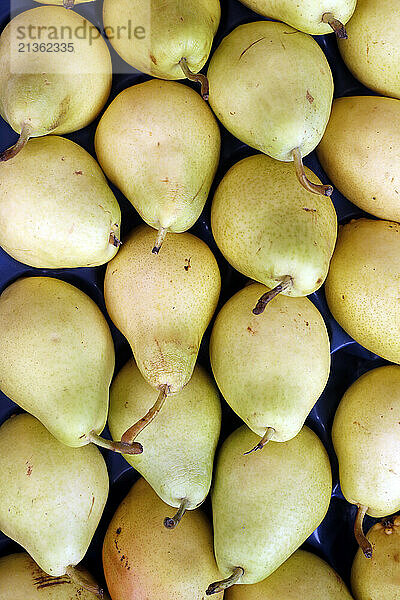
(372, 50)
(60, 362)
(173, 29)
(180, 444)
(366, 436)
(303, 575)
(52, 496)
(56, 209)
(271, 89)
(267, 226)
(163, 303)
(266, 504)
(159, 143)
(142, 559)
(361, 287)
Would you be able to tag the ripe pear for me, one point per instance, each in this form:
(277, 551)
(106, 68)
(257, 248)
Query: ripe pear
(366, 437)
(57, 358)
(303, 575)
(271, 230)
(51, 92)
(22, 579)
(266, 506)
(366, 170)
(51, 496)
(159, 143)
(64, 3)
(56, 209)
(279, 364)
(273, 90)
(177, 463)
(380, 576)
(361, 287)
(142, 560)
(373, 48)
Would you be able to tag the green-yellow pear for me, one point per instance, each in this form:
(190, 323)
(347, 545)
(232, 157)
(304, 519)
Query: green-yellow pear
(366, 437)
(159, 143)
(372, 50)
(22, 579)
(57, 91)
(303, 575)
(175, 36)
(367, 168)
(181, 443)
(273, 90)
(361, 287)
(266, 506)
(143, 560)
(310, 16)
(56, 209)
(270, 229)
(278, 364)
(65, 3)
(51, 496)
(379, 577)
(57, 359)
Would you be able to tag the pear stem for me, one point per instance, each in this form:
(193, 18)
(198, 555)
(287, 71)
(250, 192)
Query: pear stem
(269, 434)
(362, 541)
(162, 232)
(197, 77)
(131, 434)
(80, 580)
(121, 447)
(337, 26)
(68, 3)
(285, 284)
(220, 586)
(114, 241)
(172, 522)
(314, 188)
(22, 141)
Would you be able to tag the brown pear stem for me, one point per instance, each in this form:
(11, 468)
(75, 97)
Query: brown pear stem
(131, 434)
(220, 586)
(337, 26)
(285, 284)
(314, 188)
(362, 541)
(22, 141)
(114, 241)
(80, 580)
(68, 3)
(197, 77)
(172, 522)
(162, 232)
(269, 434)
(121, 447)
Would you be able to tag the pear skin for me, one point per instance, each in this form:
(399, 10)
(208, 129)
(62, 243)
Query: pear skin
(142, 559)
(65, 3)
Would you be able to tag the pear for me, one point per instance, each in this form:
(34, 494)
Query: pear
(373, 48)
(311, 16)
(177, 464)
(51, 92)
(279, 364)
(266, 506)
(366, 437)
(51, 496)
(56, 209)
(142, 560)
(303, 575)
(175, 38)
(159, 143)
(21, 578)
(273, 90)
(380, 576)
(365, 128)
(271, 230)
(361, 287)
(65, 3)
(57, 359)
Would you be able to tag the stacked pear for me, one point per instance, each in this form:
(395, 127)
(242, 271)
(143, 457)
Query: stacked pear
(51, 92)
